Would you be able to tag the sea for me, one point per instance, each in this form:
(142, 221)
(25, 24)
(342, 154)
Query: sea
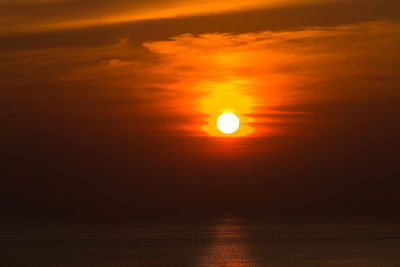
(226, 241)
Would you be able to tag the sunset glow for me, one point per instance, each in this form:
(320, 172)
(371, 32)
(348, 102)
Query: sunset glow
(236, 121)
(228, 97)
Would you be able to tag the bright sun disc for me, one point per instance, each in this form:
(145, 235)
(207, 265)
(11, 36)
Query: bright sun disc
(228, 123)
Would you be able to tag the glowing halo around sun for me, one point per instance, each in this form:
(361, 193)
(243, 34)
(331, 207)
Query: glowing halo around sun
(228, 123)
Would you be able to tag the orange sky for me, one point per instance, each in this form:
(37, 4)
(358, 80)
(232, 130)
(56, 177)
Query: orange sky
(178, 84)
(144, 82)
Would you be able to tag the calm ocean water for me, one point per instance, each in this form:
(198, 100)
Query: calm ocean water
(214, 242)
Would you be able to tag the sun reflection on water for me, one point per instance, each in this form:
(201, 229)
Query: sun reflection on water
(228, 247)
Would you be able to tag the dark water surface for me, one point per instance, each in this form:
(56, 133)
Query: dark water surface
(213, 242)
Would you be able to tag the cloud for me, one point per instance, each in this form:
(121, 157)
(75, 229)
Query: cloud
(257, 20)
(276, 69)
(48, 15)
(277, 80)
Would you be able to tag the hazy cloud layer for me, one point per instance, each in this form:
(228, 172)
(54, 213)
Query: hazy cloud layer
(173, 77)
(29, 16)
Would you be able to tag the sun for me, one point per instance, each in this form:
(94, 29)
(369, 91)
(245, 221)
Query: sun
(228, 123)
